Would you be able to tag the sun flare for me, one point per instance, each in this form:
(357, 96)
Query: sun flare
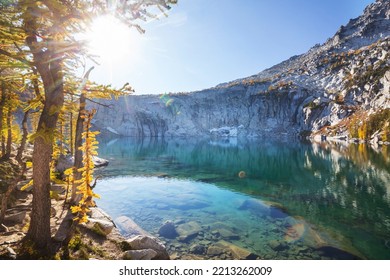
(110, 39)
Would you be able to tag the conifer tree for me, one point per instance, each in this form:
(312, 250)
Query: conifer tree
(39, 37)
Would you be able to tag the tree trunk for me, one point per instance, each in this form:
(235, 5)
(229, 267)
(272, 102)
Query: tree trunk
(2, 105)
(9, 130)
(22, 146)
(48, 62)
(39, 231)
(78, 154)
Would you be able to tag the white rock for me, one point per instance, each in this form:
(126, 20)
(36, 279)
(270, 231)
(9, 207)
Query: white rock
(141, 242)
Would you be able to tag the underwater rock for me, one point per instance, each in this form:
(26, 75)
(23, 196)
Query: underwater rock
(277, 245)
(129, 227)
(190, 204)
(227, 234)
(255, 206)
(335, 253)
(168, 230)
(237, 252)
(198, 249)
(215, 250)
(187, 231)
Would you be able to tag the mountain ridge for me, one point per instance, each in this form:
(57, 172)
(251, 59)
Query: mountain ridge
(346, 77)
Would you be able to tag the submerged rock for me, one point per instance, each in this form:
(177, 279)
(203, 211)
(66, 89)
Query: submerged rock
(187, 231)
(278, 245)
(237, 252)
(338, 254)
(168, 230)
(198, 249)
(129, 227)
(255, 206)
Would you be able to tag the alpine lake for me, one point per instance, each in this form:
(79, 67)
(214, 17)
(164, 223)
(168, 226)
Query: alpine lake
(259, 199)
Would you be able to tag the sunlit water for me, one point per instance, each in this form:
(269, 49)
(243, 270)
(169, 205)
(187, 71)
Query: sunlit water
(276, 200)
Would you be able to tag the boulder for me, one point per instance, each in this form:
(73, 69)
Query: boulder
(11, 253)
(187, 231)
(101, 226)
(277, 245)
(198, 249)
(168, 230)
(216, 250)
(237, 252)
(16, 218)
(227, 234)
(144, 254)
(141, 242)
(99, 162)
(66, 161)
(98, 213)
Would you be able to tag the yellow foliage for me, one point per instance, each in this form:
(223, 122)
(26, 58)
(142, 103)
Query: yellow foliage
(89, 149)
(26, 186)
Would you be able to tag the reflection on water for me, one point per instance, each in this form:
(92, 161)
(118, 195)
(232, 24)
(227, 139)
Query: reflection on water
(277, 200)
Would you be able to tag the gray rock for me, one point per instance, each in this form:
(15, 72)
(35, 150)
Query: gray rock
(168, 230)
(277, 245)
(188, 231)
(149, 242)
(17, 217)
(237, 252)
(198, 249)
(11, 253)
(144, 254)
(103, 225)
(3, 228)
(66, 161)
(215, 250)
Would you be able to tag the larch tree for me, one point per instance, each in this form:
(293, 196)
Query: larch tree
(44, 34)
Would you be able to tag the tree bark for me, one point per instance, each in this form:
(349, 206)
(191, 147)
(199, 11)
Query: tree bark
(48, 63)
(78, 154)
(19, 156)
(39, 230)
(2, 105)
(9, 130)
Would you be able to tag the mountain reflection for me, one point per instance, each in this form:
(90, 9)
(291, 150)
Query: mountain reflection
(338, 187)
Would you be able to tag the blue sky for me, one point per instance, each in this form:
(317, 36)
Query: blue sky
(206, 42)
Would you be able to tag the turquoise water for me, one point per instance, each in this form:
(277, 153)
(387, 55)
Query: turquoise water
(276, 200)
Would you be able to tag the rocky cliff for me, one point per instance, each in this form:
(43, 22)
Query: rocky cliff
(337, 89)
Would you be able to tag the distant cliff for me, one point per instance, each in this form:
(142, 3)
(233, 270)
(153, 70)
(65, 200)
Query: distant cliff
(337, 89)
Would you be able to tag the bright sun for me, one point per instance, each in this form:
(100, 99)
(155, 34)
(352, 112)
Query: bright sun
(110, 39)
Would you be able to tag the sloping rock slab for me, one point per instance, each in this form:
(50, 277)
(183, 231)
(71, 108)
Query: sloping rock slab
(128, 227)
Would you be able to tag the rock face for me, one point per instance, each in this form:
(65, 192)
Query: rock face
(322, 91)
